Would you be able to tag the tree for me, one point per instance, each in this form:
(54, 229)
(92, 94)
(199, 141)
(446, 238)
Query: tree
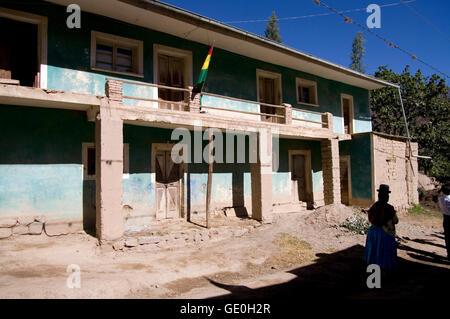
(272, 31)
(358, 52)
(427, 106)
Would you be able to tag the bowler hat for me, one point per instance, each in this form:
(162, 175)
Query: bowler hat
(384, 188)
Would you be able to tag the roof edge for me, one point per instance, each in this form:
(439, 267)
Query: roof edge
(214, 25)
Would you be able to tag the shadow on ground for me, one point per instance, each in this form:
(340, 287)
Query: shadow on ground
(343, 275)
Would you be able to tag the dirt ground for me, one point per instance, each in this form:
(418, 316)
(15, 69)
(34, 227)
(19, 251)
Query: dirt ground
(307, 254)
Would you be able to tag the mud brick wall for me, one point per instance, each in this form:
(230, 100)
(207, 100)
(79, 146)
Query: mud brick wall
(113, 90)
(394, 166)
(331, 174)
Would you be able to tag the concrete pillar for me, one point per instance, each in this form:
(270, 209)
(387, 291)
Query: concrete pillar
(193, 101)
(287, 114)
(109, 170)
(261, 176)
(330, 170)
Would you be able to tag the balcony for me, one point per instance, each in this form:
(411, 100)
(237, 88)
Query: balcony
(148, 96)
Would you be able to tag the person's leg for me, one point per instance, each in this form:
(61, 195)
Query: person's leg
(447, 233)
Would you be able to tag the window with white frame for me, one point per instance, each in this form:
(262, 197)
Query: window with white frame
(116, 54)
(306, 92)
(88, 157)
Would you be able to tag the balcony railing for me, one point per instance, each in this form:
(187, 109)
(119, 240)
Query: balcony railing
(225, 106)
(183, 99)
(179, 104)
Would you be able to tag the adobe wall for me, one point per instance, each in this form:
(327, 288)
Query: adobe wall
(392, 166)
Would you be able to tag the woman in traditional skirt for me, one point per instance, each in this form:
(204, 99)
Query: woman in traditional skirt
(381, 247)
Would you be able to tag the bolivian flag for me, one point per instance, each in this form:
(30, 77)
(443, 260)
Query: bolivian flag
(202, 78)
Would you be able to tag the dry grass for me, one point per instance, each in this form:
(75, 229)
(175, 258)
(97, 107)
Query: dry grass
(292, 251)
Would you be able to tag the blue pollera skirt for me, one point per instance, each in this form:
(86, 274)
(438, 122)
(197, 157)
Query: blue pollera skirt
(381, 248)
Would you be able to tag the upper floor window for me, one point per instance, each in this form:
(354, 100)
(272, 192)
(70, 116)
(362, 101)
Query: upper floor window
(116, 54)
(306, 92)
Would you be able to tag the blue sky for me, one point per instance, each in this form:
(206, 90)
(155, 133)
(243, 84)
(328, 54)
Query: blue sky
(330, 38)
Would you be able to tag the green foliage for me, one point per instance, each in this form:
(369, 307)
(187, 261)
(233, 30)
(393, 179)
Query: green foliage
(358, 52)
(417, 210)
(357, 224)
(427, 107)
(272, 31)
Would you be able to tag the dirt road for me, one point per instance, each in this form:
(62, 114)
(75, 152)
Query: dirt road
(303, 253)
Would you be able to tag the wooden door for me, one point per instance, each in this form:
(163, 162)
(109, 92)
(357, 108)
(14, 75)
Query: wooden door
(347, 115)
(267, 94)
(344, 165)
(171, 73)
(167, 185)
(299, 176)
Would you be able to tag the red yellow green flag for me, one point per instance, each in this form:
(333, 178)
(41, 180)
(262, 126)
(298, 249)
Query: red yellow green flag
(202, 78)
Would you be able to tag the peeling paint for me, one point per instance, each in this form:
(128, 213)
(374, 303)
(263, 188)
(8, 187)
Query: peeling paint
(54, 190)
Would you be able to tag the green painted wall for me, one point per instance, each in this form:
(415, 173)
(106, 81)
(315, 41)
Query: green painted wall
(229, 74)
(43, 143)
(231, 182)
(283, 177)
(231, 185)
(41, 168)
(360, 163)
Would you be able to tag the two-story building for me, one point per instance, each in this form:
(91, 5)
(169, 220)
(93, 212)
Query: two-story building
(88, 115)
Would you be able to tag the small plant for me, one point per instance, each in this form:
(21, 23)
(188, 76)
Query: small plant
(418, 210)
(356, 224)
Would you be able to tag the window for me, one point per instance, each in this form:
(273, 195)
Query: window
(91, 161)
(89, 165)
(116, 54)
(306, 92)
(347, 113)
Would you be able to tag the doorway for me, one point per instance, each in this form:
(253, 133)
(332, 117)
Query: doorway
(345, 176)
(167, 182)
(269, 92)
(301, 176)
(171, 73)
(19, 52)
(347, 113)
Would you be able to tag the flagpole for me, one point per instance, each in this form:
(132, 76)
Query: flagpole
(210, 160)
